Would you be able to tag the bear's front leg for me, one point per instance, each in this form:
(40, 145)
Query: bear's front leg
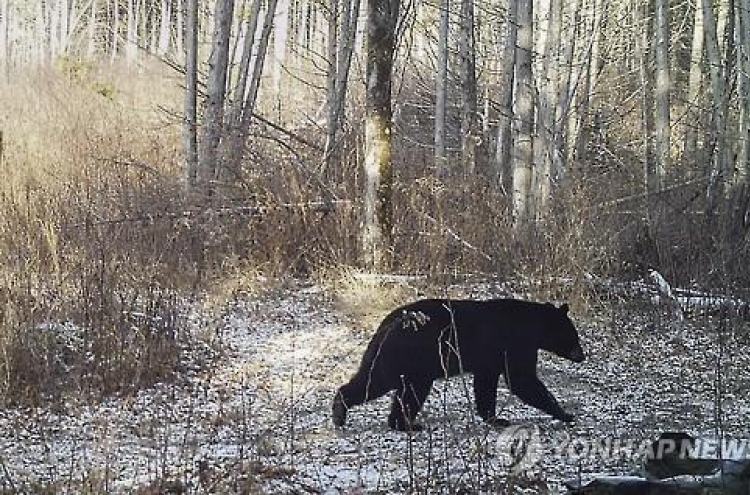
(532, 391)
(520, 375)
(407, 402)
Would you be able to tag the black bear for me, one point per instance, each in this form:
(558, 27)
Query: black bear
(438, 338)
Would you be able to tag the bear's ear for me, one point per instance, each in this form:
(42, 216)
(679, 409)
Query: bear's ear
(565, 308)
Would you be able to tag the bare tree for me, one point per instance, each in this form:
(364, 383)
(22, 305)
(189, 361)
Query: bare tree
(695, 80)
(470, 135)
(441, 89)
(506, 83)
(523, 154)
(717, 126)
(340, 50)
(210, 162)
(662, 96)
(4, 47)
(191, 92)
(382, 17)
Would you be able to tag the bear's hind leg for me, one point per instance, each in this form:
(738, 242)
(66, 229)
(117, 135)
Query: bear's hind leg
(407, 402)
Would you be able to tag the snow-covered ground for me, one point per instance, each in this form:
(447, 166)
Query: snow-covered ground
(257, 420)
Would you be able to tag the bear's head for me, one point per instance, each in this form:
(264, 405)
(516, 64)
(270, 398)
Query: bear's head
(561, 335)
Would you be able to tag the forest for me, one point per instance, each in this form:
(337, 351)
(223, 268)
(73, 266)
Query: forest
(207, 206)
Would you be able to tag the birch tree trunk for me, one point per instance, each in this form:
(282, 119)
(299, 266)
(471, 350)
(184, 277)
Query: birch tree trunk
(191, 92)
(378, 214)
(505, 98)
(717, 127)
(260, 56)
(4, 47)
(469, 125)
(441, 92)
(523, 153)
(340, 57)
(211, 163)
(165, 27)
(131, 37)
(546, 139)
(243, 73)
(694, 114)
(742, 177)
(662, 136)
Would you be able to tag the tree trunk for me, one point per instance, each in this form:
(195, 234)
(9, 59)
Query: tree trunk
(191, 92)
(523, 154)
(546, 139)
(4, 51)
(470, 135)
(505, 98)
(131, 37)
(662, 134)
(260, 57)
(241, 86)
(378, 214)
(340, 57)
(211, 162)
(717, 128)
(165, 27)
(441, 90)
(742, 175)
(694, 114)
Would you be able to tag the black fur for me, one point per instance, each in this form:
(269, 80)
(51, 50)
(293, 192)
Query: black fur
(439, 338)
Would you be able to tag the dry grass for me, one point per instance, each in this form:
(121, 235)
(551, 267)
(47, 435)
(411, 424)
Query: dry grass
(84, 292)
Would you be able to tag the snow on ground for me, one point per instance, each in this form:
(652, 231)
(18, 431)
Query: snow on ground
(257, 420)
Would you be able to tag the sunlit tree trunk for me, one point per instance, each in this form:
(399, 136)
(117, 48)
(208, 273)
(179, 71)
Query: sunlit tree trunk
(341, 47)
(470, 135)
(568, 77)
(694, 114)
(662, 136)
(742, 177)
(441, 92)
(211, 162)
(523, 153)
(131, 29)
(717, 128)
(243, 72)
(506, 84)
(378, 215)
(280, 40)
(545, 138)
(191, 92)
(4, 29)
(165, 27)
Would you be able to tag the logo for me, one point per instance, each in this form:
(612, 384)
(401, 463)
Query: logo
(519, 447)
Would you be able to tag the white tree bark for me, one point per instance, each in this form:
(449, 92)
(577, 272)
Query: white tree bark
(441, 93)
(4, 45)
(211, 163)
(506, 85)
(469, 125)
(378, 214)
(523, 153)
(191, 92)
(742, 175)
(695, 80)
(662, 121)
(131, 37)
